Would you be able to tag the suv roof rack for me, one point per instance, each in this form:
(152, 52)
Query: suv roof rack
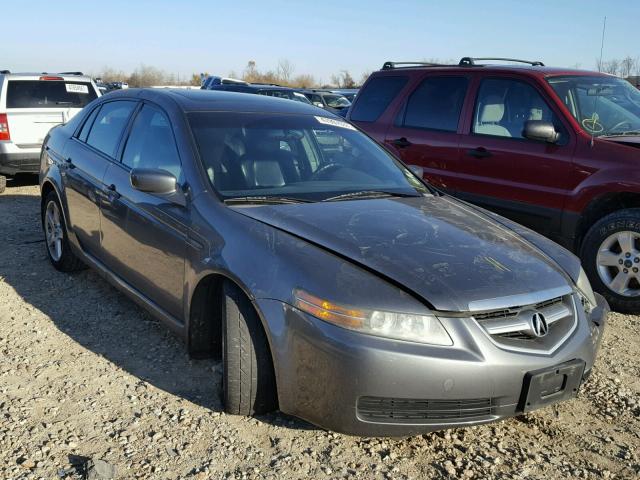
(471, 61)
(70, 73)
(392, 65)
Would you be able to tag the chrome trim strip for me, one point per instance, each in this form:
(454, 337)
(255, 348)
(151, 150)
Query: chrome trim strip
(520, 300)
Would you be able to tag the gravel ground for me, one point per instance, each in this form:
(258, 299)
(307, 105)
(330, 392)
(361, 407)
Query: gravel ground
(85, 374)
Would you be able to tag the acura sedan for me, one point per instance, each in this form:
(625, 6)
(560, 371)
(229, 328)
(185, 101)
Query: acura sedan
(334, 283)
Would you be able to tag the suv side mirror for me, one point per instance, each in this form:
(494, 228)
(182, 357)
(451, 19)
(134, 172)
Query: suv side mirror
(153, 180)
(541, 131)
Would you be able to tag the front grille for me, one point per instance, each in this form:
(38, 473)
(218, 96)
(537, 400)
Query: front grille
(404, 410)
(511, 327)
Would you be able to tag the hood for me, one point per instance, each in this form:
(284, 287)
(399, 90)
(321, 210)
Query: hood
(629, 140)
(452, 256)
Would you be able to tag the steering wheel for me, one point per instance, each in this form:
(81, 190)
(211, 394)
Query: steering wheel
(620, 124)
(592, 124)
(329, 167)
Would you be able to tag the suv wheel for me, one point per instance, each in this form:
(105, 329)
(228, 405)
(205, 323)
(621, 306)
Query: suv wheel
(611, 258)
(248, 380)
(55, 234)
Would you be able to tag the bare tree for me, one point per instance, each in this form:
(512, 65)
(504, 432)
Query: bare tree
(285, 70)
(600, 64)
(364, 77)
(303, 81)
(627, 66)
(612, 66)
(343, 80)
(250, 72)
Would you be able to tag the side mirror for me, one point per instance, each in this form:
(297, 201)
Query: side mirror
(153, 181)
(541, 131)
(419, 171)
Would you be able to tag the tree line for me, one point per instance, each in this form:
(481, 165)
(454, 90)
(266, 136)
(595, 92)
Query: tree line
(283, 74)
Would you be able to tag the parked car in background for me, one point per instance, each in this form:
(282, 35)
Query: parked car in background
(30, 104)
(212, 80)
(327, 276)
(262, 89)
(348, 93)
(554, 149)
(333, 102)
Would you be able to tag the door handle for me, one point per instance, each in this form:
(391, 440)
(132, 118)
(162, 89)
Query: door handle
(112, 192)
(479, 152)
(401, 142)
(69, 163)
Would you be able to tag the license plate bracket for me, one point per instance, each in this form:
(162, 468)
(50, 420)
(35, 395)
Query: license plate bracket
(551, 385)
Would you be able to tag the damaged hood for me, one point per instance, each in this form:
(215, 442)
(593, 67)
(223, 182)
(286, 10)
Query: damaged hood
(451, 255)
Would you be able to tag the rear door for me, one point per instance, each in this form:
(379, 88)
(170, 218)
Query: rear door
(144, 235)
(525, 180)
(426, 130)
(87, 157)
(35, 106)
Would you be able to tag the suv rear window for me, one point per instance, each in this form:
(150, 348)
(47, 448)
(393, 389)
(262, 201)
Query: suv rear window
(48, 94)
(376, 97)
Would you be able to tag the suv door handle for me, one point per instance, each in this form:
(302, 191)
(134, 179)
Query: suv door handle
(69, 163)
(112, 192)
(479, 152)
(401, 142)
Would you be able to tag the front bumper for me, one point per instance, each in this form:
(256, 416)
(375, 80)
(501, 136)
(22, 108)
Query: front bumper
(14, 159)
(345, 381)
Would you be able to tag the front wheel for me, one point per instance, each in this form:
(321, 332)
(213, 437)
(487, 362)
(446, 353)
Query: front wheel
(55, 233)
(248, 380)
(611, 258)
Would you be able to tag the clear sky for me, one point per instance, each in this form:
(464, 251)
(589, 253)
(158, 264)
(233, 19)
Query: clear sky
(317, 37)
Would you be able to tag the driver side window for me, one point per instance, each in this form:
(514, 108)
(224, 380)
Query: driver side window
(151, 143)
(504, 105)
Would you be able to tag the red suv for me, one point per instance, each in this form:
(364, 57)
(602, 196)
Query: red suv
(554, 149)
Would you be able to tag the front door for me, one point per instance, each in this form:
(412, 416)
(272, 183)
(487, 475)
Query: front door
(144, 235)
(525, 180)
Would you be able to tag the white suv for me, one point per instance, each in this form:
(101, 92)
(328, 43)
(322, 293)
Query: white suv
(30, 105)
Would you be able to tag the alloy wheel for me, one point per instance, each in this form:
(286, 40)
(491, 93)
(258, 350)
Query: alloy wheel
(53, 230)
(618, 263)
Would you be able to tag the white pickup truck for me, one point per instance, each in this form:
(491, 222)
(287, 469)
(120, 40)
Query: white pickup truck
(30, 105)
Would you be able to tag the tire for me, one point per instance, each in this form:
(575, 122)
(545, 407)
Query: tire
(3, 183)
(64, 259)
(248, 379)
(602, 252)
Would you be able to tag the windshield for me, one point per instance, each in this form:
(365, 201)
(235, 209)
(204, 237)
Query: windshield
(602, 105)
(301, 98)
(302, 157)
(336, 101)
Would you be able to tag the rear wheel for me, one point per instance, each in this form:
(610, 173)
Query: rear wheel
(56, 238)
(248, 379)
(611, 258)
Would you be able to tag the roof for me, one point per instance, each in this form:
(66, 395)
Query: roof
(222, 101)
(36, 75)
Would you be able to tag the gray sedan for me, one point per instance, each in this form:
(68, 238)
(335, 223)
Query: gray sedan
(334, 283)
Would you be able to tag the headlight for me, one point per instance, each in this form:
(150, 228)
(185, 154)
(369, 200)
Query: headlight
(584, 287)
(395, 325)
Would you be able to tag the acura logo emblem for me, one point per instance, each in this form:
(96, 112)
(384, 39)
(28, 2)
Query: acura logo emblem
(539, 324)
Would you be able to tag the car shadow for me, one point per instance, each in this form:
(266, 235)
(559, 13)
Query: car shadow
(89, 310)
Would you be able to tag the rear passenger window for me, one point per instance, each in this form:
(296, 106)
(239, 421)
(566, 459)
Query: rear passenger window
(436, 104)
(49, 94)
(376, 97)
(151, 143)
(87, 125)
(108, 126)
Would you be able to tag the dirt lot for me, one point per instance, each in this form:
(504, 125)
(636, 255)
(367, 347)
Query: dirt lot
(84, 373)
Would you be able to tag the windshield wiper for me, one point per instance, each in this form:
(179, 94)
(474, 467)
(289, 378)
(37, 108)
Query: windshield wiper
(261, 200)
(622, 134)
(369, 194)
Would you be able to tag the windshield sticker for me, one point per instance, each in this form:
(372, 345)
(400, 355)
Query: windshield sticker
(335, 123)
(75, 88)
